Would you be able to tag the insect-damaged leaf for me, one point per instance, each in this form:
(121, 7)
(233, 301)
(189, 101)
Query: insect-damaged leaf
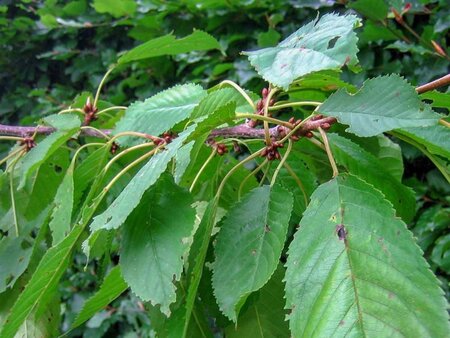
(353, 269)
(325, 43)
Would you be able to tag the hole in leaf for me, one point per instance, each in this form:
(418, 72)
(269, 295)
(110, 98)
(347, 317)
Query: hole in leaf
(57, 168)
(332, 42)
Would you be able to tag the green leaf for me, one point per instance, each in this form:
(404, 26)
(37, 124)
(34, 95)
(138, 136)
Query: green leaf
(325, 43)
(129, 198)
(249, 245)
(206, 124)
(197, 257)
(15, 253)
(364, 165)
(115, 8)
(213, 101)
(354, 269)
(438, 99)
(441, 253)
(265, 316)
(303, 183)
(62, 211)
(67, 125)
(435, 138)
(40, 290)
(155, 240)
(113, 286)
(169, 45)
(382, 104)
(373, 9)
(161, 112)
(88, 170)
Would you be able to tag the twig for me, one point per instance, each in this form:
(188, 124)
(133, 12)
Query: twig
(240, 131)
(443, 81)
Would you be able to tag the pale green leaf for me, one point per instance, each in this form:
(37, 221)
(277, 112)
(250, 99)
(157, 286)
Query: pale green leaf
(15, 253)
(382, 104)
(155, 240)
(325, 43)
(354, 270)
(129, 198)
(62, 211)
(161, 112)
(115, 8)
(249, 245)
(366, 166)
(112, 287)
(40, 289)
(264, 317)
(170, 45)
(67, 125)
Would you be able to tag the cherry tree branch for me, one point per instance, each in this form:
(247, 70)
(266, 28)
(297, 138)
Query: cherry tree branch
(442, 81)
(239, 131)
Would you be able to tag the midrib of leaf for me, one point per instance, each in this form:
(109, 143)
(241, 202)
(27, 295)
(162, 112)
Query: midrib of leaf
(329, 278)
(259, 321)
(156, 256)
(261, 239)
(352, 275)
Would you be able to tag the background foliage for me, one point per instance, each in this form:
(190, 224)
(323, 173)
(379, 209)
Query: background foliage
(54, 50)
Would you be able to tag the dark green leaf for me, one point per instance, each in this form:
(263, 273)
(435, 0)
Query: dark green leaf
(113, 286)
(373, 9)
(155, 238)
(265, 317)
(249, 245)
